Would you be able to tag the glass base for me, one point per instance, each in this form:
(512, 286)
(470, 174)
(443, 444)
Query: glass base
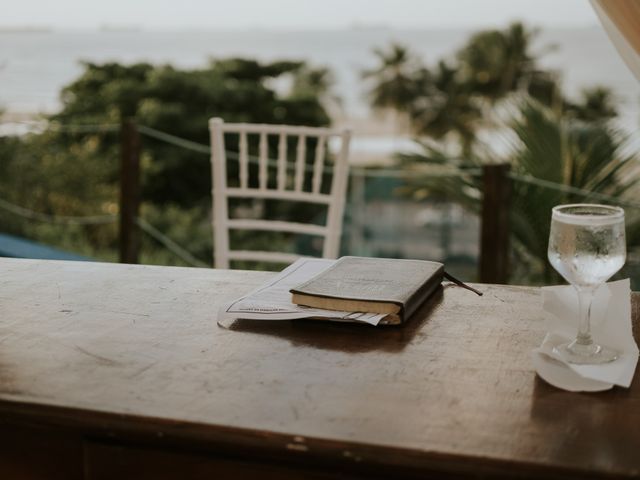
(580, 354)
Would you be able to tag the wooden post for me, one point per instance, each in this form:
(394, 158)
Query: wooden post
(129, 191)
(494, 241)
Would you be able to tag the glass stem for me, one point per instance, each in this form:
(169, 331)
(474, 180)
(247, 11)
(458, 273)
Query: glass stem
(585, 298)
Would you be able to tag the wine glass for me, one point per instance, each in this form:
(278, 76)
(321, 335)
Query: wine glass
(586, 246)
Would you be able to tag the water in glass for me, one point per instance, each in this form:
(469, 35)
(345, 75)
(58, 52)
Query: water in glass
(586, 246)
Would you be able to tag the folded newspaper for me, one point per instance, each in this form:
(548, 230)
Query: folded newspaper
(272, 301)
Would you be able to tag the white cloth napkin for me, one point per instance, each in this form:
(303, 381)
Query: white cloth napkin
(610, 326)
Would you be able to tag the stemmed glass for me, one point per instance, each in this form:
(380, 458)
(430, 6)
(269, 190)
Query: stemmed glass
(586, 246)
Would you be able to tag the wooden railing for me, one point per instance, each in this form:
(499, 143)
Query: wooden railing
(494, 237)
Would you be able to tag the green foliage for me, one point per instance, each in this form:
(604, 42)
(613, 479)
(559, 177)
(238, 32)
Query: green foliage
(181, 102)
(555, 139)
(595, 104)
(496, 62)
(48, 176)
(589, 156)
(70, 173)
(311, 82)
(187, 227)
(548, 147)
(394, 80)
(453, 100)
(446, 106)
(44, 175)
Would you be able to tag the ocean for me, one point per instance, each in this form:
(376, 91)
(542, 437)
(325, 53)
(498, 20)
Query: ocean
(34, 66)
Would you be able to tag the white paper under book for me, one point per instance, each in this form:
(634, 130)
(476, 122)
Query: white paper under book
(272, 301)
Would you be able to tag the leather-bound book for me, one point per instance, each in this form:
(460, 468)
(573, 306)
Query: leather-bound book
(378, 285)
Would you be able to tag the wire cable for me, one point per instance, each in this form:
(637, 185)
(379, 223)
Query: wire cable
(358, 171)
(174, 140)
(56, 219)
(569, 189)
(395, 173)
(170, 244)
(44, 125)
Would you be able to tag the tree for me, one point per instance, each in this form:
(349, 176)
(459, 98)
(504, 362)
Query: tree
(565, 143)
(42, 175)
(63, 172)
(393, 80)
(445, 107)
(496, 62)
(181, 102)
(595, 104)
(316, 83)
(455, 99)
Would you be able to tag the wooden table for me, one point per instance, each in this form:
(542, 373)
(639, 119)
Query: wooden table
(119, 371)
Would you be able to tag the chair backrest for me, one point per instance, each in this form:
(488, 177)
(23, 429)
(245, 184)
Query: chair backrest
(282, 187)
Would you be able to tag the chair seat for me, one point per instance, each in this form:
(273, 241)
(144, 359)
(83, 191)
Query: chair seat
(277, 226)
(262, 256)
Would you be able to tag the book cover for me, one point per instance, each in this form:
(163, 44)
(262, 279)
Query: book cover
(378, 285)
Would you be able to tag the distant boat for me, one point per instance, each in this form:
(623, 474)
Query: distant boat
(120, 28)
(26, 29)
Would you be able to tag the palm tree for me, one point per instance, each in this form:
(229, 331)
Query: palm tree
(313, 80)
(445, 107)
(544, 86)
(315, 83)
(393, 80)
(497, 62)
(456, 99)
(595, 104)
(549, 149)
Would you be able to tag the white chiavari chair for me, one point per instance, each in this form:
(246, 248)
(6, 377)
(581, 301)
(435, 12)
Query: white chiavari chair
(295, 188)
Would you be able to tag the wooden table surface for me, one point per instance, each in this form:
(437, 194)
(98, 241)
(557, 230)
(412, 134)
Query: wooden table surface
(132, 355)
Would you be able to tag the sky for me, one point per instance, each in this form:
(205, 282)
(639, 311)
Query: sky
(291, 14)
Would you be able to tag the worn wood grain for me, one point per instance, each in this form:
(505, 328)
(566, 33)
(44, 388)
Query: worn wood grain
(133, 354)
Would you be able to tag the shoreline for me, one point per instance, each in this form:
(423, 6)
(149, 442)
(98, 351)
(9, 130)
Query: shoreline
(375, 138)
(374, 124)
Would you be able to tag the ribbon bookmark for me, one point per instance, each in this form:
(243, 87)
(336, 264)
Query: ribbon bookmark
(460, 283)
